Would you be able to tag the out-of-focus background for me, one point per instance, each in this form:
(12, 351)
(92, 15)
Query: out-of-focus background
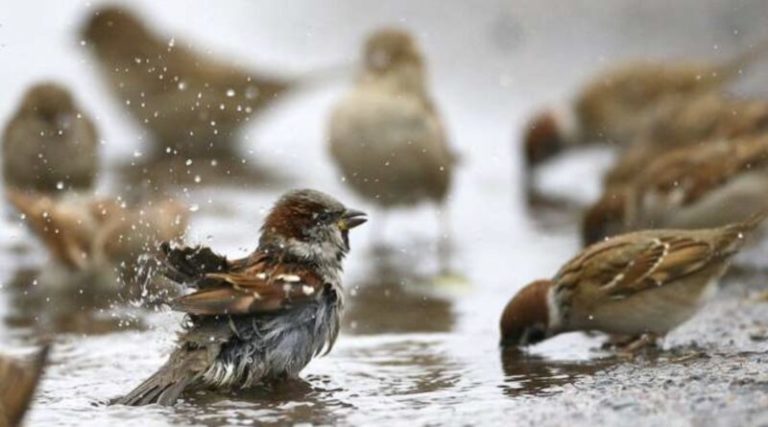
(409, 353)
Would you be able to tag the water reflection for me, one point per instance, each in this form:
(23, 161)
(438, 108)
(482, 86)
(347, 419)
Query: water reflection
(310, 400)
(77, 307)
(393, 298)
(528, 374)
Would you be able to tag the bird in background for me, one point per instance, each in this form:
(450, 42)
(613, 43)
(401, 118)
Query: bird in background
(639, 285)
(50, 145)
(609, 108)
(192, 104)
(696, 186)
(97, 238)
(386, 136)
(683, 121)
(18, 382)
(261, 318)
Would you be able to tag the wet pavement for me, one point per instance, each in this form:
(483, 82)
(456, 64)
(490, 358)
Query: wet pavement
(417, 348)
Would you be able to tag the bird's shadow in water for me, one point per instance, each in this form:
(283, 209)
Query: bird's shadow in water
(78, 309)
(393, 298)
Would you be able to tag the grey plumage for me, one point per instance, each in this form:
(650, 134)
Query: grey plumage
(263, 317)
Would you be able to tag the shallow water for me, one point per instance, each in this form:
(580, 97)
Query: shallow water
(414, 350)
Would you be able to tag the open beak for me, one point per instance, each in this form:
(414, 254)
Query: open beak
(352, 219)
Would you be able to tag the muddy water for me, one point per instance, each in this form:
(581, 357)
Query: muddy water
(416, 349)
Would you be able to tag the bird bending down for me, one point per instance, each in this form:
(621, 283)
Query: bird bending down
(263, 317)
(646, 282)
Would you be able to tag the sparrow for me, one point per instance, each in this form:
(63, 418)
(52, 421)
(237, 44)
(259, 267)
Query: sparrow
(610, 107)
(18, 381)
(191, 104)
(50, 145)
(646, 282)
(386, 136)
(698, 186)
(682, 121)
(96, 235)
(263, 317)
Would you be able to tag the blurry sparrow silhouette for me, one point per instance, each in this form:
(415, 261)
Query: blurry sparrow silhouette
(191, 103)
(49, 145)
(386, 135)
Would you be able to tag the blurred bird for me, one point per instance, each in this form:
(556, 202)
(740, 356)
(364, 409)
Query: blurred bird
(263, 317)
(703, 185)
(386, 135)
(643, 283)
(610, 107)
(18, 381)
(191, 103)
(99, 237)
(49, 145)
(681, 121)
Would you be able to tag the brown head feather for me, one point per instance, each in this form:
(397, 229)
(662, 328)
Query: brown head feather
(543, 139)
(525, 319)
(388, 48)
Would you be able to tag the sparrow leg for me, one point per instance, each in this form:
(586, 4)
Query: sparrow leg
(445, 240)
(637, 345)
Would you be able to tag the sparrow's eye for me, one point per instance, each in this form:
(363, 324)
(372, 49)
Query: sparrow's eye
(324, 216)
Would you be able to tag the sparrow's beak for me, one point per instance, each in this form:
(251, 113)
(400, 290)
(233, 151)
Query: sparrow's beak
(352, 219)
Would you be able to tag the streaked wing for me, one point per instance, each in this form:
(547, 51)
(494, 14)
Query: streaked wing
(254, 289)
(634, 263)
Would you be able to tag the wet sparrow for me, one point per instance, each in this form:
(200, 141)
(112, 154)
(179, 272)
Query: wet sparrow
(263, 317)
(18, 381)
(49, 144)
(190, 102)
(646, 282)
(698, 186)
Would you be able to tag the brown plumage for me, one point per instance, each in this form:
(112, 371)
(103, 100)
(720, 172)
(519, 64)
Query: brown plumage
(705, 185)
(639, 283)
(84, 234)
(18, 381)
(683, 121)
(263, 317)
(386, 136)
(190, 102)
(611, 107)
(49, 145)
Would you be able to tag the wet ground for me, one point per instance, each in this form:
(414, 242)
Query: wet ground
(415, 350)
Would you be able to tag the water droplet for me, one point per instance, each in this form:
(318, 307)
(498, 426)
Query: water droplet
(230, 93)
(194, 208)
(60, 185)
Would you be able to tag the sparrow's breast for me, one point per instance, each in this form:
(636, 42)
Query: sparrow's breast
(280, 345)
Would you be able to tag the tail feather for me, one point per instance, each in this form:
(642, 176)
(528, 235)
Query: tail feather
(734, 236)
(734, 66)
(189, 265)
(160, 388)
(750, 224)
